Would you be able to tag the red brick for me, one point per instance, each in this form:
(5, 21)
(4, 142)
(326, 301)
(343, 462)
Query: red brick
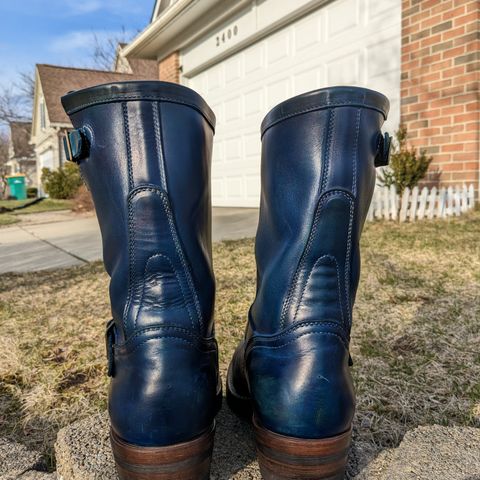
(464, 157)
(472, 166)
(451, 166)
(456, 12)
(169, 68)
(452, 72)
(441, 7)
(441, 121)
(432, 20)
(454, 52)
(466, 117)
(432, 40)
(452, 110)
(456, 32)
(441, 139)
(465, 137)
(442, 102)
(464, 19)
(440, 81)
(453, 128)
(453, 147)
(465, 176)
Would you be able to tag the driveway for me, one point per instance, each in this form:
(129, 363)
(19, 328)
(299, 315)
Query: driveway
(63, 239)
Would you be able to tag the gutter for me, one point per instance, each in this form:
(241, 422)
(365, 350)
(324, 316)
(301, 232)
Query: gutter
(134, 49)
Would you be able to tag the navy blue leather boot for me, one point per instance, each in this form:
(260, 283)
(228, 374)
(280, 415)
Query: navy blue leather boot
(319, 152)
(144, 150)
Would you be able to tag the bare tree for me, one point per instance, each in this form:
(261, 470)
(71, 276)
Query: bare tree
(4, 147)
(105, 49)
(13, 106)
(26, 84)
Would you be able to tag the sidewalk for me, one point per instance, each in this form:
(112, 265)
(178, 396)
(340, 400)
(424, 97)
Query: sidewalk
(64, 239)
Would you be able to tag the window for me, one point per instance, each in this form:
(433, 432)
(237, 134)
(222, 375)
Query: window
(43, 115)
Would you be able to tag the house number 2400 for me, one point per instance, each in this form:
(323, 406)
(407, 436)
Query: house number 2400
(226, 35)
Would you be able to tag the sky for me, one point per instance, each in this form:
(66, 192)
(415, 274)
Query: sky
(61, 32)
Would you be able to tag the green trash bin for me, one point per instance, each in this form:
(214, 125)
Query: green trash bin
(17, 186)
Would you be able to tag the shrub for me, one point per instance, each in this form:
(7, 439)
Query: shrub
(407, 167)
(32, 192)
(62, 183)
(82, 201)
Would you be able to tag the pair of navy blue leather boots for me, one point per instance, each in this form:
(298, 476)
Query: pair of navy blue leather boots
(144, 150)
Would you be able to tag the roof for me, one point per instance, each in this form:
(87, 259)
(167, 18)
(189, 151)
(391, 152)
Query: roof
(20, 137)
(57, 81)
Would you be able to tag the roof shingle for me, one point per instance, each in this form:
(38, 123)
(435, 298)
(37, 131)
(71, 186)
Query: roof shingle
(57, 81)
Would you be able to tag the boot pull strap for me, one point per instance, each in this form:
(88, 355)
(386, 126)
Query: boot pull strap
(76, 145)
(384, 146)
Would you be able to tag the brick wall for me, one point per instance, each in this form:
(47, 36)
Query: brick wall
(169, 68)
(440, 85)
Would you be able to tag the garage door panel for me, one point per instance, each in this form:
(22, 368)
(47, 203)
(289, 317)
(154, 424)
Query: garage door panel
(277, 92)
(380, 10)
(235, 187)
(233, 149)
(307, 80)
(254, 102)
(342, 17)
(254, 58)
(382, 57)
(278, 47)
(252, 145)
(252, 186)
(233, 69)
(233, 109)
(353, 42)
(345, 70)
(307, 33)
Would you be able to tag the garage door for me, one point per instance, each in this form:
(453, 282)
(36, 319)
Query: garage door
(347, 42)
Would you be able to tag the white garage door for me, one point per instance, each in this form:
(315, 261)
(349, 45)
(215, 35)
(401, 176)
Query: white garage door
(347, 42)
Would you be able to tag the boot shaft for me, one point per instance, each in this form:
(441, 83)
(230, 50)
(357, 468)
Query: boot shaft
(319, 152)
(144, 150)
(147, 165)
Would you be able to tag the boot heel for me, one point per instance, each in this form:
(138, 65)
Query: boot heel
(183, 461)
(289, 458)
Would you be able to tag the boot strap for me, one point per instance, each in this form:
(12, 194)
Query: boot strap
(76, 145)
(109, 343)
(384, 147)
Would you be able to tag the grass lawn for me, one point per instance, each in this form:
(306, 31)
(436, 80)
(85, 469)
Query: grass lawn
(46, 205)
(8, 219)
(415, 340)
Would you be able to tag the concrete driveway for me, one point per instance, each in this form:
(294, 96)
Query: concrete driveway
(63, 239)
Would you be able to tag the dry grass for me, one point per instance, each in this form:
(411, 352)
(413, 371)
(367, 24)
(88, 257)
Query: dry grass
(46, 205)
(415, 340)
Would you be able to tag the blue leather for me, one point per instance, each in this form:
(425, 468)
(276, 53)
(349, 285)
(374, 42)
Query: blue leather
(147, 165)
(319, 152)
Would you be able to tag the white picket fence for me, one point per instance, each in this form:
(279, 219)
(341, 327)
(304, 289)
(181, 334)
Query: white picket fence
(416, 204)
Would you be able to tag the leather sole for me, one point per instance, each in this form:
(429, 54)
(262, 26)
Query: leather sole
(288, 458)
(183, 461)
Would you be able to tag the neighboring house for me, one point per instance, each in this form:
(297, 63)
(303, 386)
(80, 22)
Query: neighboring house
(245, 56)
(21, 155)
(50, 121)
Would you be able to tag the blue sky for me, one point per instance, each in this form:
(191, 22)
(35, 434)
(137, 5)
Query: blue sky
(61, 32)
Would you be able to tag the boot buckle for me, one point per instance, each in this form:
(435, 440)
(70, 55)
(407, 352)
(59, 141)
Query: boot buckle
(384, 148)
(75, 144)
(109, 343)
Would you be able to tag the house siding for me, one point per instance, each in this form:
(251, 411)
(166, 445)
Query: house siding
(440, 103)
